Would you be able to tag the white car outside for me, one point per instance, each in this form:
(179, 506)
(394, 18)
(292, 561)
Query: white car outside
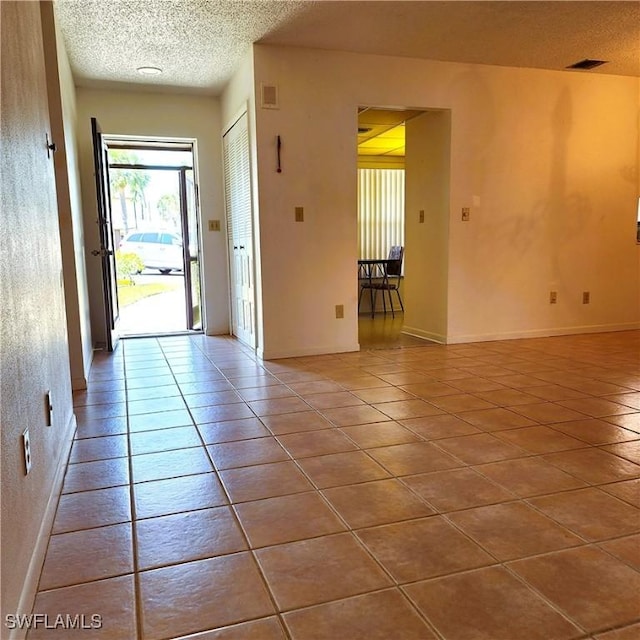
(160, 250)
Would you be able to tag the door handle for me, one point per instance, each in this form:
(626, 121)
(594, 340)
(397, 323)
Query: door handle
(102, 253)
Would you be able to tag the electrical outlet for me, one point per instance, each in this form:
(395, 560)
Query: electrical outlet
(339, 311)
(299, 211)
(214, 225)
(466, 214)
(421, 216)
(26, 449)
(586, 297)
(553, 297)
(48, 409)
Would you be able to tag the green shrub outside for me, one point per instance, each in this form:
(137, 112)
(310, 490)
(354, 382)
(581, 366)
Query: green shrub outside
(128, 264)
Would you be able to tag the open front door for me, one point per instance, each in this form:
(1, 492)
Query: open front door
(107, 249)
(188, 207)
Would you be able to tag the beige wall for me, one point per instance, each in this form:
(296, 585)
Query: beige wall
(34, 354)
(547, 162)
(62, 112)
(428, 163)
(307, 266)
(239, 96)
(549, 157)
(159, 115)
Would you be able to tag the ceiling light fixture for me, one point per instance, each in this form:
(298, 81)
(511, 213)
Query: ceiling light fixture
(149, 71)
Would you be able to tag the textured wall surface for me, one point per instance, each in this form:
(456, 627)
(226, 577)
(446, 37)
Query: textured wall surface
(547, 161)
(34, 354)
(61, 93)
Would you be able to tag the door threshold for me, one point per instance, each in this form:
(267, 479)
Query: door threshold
(161, 334)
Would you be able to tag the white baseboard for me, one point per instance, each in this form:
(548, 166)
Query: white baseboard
(425, 335)
(543, 333)
(518, 335)
(30, 585)
(265, 354)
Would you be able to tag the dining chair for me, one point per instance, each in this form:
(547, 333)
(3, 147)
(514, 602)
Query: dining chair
(390, 281)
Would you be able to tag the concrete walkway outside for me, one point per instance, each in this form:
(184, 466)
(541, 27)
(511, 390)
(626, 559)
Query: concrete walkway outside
(160, 313)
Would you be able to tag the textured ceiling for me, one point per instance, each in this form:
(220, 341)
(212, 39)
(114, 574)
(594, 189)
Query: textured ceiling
(548, 35)
(198, 43)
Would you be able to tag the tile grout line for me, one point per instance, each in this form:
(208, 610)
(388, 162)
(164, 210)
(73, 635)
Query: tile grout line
(336, 428)
(241, 529)
(348, 529)
(134, 531)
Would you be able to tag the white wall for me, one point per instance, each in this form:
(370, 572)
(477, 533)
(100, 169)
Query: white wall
(34, 355)
(547, 162)
(159, 115)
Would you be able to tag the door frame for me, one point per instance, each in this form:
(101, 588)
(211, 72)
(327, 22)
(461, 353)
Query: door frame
(116, 141)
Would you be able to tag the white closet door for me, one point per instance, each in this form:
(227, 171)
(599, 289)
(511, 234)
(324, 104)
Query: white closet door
(237, 186)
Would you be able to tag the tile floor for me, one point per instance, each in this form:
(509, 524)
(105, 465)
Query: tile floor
(480, 491)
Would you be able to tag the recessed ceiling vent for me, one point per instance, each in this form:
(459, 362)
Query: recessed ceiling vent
(587, 64)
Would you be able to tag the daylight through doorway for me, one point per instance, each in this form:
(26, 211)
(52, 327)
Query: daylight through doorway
(155, 228)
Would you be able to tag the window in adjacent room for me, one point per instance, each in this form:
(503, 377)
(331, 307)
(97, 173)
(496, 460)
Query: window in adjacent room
(380, 211)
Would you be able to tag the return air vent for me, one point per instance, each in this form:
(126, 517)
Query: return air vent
(586, 64)
(269, 96)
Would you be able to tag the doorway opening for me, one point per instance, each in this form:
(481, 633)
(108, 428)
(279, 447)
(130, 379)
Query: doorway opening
(381, 224)
(155, 228)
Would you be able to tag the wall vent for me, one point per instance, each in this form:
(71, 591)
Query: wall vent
(269, 96)
(587, 64)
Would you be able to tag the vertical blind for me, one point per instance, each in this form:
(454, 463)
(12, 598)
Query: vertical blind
(380, 211)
